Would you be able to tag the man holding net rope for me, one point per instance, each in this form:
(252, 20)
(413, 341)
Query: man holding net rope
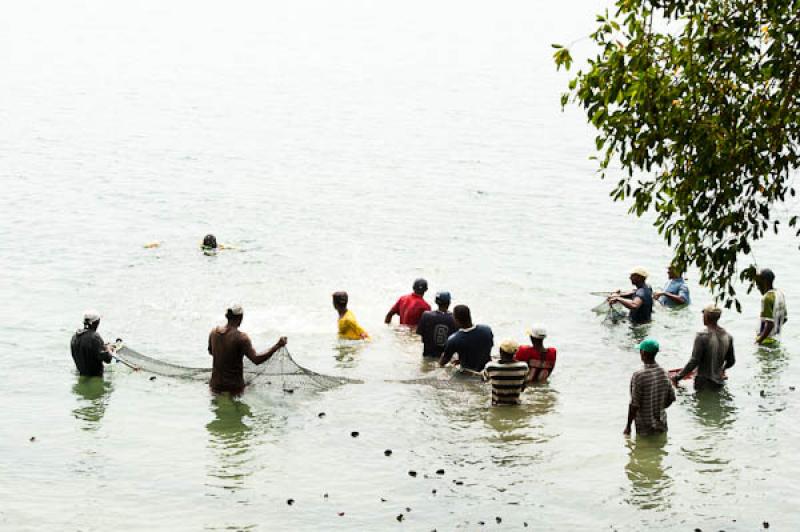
(228, 345)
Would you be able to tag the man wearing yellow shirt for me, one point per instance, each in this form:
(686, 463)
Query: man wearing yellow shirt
(349, 329)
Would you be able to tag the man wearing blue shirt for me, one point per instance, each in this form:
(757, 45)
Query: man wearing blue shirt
(676, 292)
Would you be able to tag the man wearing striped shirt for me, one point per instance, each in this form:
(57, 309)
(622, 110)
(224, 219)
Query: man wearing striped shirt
(651, 393)
(506, 375)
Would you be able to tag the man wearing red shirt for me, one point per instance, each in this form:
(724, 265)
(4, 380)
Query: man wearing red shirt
(541, 359)
(411, 306)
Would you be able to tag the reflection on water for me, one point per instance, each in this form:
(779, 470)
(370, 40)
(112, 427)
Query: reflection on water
(651, 486)
(230, 437)
(93, 394)
(714, 409)
(346, 351)
(771, 362)
(715, 412)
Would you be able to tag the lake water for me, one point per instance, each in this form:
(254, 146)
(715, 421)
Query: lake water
(342, 146)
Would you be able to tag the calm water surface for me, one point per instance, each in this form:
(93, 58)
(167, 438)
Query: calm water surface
(342, 145)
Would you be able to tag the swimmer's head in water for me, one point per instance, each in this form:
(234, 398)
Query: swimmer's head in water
(340, 299)
(420, 286)
(210, 242)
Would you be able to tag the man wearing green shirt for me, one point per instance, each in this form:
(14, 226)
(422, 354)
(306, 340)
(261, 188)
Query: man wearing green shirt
(773, 309)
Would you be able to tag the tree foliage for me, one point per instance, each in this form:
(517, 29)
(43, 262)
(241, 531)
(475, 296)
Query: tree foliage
(698, 103)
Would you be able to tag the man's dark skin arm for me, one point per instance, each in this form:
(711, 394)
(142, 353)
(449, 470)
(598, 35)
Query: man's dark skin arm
(635, 303)
(263, 357)
(679, 299)
(730, 356)
(632, 411)
(766, 329)
(447, 354)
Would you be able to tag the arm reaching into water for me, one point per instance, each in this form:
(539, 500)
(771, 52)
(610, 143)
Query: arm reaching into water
(266, 355)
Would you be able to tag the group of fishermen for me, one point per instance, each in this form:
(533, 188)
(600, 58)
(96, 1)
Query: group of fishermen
(652, 388)
(453, 338)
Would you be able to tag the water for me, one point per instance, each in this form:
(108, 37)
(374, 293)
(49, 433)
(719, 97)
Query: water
(352, 146)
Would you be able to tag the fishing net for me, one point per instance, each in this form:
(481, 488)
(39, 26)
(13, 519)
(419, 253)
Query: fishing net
(610, 311)
(279, 370)
(454, 379)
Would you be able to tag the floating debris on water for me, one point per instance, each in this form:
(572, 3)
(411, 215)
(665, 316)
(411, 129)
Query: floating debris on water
(763, 393)
(383, 500)
(399, 517)
(525, 524)
(481, 523)
(290, 502)
(153, 378)
(498, 519)
(458, 482)
(387, 452)
(33, 438)
(354, 434)
(412, 473)
(408, 509)
(791, 388)
(321, 415)
(324, 495)
(340, 514)
(440, 471)
(766, 524)
(433, 491)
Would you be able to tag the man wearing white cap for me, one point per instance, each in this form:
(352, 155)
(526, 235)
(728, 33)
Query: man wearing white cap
(228, 345)
(89, 351)
(540, 359)
(640, 301)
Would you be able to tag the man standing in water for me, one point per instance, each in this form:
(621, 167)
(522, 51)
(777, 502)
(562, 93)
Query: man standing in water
(712, 353)
(472, 343)
(349, 329)
(88, 349)
(506, 375)
(228, 345)
(651, 393)
(773, 309)
(436, 326)
(640, 301)
(676, 292)
(410, 307)
(540, 359)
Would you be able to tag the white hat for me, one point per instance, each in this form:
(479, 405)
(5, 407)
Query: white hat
(639, 271)
(236, 309)
(537, 331)
(91, 316)
(509, 346)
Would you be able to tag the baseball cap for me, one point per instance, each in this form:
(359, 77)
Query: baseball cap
(509, 347)
(236, 309)
(537, 331)
(649, 345)
(91, 316)
(443, 297)
(712, 308)
(639, 270)
(420, 284)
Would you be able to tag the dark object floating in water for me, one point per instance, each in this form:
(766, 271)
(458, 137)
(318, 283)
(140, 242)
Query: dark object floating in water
(408, 509)
(321, 415)
(440, 471)
(152, 378)
(399, 517)
(433, 491)
(763, 393)
(383, 500)
(498, 519)
(325, 496)
(340, 514)
(288, 390)
(791, 388)
(525, 524)
(33, 438)
(290, 502)
(387, 452)
(458, 483)
(766, 524)
(412, 473)
(481, 523)
(697, 530)
(354, 434)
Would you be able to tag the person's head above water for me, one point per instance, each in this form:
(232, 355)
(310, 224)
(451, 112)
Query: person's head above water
(764, 280)
(91, 319)
(443, 300)
(462, 316)
(648, 349)
(340, 300)
(234, 314)
(210, 242)
(711, 314)
(508, 348)
(638, 276)
(673, 272)
(420, 286)
(537, 334)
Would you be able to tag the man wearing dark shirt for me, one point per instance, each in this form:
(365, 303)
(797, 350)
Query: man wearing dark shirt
(436, 326)
(472, 343)
(228, 345)
(88, 349)
(712, 353)
(640, 301)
